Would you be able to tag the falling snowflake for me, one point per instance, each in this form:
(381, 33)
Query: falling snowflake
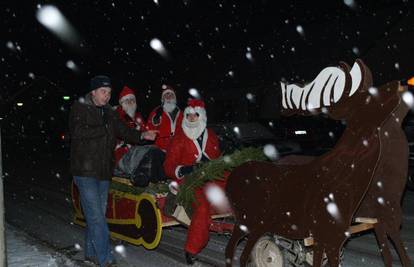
(51, 18)
(249, 56)
(271, 152)
(373, 91)
(408, 99)
(215, 195)
(244, 228)
(379, 184)
(347, 234)
(350, 3)
(194, 93)
(120, 249)
(250, 96)
(355, 50)
(397, 65)
(227, 159)
(380, 200)
(300, 30)
(71, 65)
(365, 143)
(236, 130)
(333, 210)
(78, 247)
(157, 45)
(231, 73)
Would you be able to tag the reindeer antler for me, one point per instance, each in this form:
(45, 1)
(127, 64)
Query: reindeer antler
(331, 84)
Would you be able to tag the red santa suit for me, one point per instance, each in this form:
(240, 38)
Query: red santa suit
(135, 122)
(168, 124)
(183, 152)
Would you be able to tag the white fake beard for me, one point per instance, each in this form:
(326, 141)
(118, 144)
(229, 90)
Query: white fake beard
(193, 130)
(169, 106)
(130, 109)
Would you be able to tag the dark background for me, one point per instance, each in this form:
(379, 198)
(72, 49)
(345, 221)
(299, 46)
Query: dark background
(207, 42)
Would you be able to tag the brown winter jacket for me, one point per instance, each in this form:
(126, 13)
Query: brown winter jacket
(93, 138)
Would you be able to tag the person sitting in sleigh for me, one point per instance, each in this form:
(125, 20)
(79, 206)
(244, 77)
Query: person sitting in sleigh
(193, 145)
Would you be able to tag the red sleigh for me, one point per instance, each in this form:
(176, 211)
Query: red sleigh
(137, 217)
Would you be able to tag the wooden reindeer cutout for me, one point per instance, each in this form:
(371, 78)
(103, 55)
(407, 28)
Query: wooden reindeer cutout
(320, 197)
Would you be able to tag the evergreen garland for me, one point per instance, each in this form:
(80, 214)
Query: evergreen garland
(154, 189)
(214, 170)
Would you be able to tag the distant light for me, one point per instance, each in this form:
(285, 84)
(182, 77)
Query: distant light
(19, 104)
(66, 97)
(300, 132)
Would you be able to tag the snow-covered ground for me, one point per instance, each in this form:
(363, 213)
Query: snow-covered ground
(23, 250)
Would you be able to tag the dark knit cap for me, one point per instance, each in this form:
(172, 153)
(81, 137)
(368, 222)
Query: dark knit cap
(100, 81)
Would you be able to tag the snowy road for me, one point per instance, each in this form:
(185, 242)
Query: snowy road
(43, 209)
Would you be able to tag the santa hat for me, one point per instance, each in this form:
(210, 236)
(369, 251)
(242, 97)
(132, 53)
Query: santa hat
(196, 106)
(166, 89)
(126, 93)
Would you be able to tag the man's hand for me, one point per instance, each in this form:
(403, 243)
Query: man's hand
(149, 135)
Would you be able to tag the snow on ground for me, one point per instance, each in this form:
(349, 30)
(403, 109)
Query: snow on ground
(25, 251)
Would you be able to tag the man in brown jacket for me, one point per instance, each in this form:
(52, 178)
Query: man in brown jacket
(94, 128)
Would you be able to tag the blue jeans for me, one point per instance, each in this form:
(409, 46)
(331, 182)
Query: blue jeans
(94, 197)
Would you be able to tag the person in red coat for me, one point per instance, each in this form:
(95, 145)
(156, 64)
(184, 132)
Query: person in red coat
(127, 111)
(193, 145)
(165, 118)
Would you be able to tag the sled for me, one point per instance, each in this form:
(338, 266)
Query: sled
(137, 217)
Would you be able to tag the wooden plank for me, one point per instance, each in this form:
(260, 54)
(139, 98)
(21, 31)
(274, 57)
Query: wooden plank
(364, 224)
(360, 227)
(366, 220)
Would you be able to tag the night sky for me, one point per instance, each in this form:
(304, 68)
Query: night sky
(224, 49)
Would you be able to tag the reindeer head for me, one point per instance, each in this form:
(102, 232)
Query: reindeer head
(336, 91)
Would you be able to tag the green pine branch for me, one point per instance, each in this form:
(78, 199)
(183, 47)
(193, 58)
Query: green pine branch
(214, 170)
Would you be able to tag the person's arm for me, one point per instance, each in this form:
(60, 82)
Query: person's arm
(79, 128)
(173, 159)
(122, 131)
(215, 145)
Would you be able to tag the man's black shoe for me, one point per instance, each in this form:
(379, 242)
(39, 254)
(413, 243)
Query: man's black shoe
(189, 258)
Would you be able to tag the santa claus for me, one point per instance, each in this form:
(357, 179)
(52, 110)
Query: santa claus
(194, 144)
(127, 111)
(166, 118)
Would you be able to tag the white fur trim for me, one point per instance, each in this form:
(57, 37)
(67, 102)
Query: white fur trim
(205, 138)
(176, 172)
(166, 91)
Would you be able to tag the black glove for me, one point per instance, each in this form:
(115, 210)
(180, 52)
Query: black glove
(184, 170)
(157, 117)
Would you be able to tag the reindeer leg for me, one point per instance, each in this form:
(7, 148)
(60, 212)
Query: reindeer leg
(383, 243)
(253, 237)
(232, 244)
(395, 237)
(334, 256)
(317, 255)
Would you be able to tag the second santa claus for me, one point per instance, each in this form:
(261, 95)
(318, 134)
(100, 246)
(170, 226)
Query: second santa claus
(191, 146)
